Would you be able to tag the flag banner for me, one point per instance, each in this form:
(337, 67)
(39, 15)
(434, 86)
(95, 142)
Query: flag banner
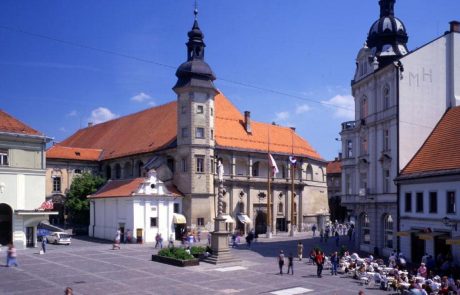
(47, 205)
(273, 165)
(293, 160)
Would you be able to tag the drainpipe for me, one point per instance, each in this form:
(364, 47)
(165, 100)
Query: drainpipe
(399, 68)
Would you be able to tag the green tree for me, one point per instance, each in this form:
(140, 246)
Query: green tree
(77, 203)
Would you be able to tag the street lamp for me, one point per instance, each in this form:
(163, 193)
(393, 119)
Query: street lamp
(450, 222)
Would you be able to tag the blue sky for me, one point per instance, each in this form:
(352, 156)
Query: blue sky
(298, 53)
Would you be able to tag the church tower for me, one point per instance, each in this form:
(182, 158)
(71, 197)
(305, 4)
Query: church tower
(195, 130)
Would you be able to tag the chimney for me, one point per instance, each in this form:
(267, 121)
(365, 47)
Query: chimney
(90, 124)
(340, 156)
(247, 121)
(293, 128)
(454, 26)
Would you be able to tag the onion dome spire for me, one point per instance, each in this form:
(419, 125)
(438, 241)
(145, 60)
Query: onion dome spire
(387, 36)
(195, 71)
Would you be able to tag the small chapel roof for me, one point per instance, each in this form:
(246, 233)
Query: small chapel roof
(156, 128)
(12, 125)
(334, 167)
(440, 153)
(126, 188)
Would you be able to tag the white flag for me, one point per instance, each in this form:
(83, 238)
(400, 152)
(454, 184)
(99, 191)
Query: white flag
(273, 165)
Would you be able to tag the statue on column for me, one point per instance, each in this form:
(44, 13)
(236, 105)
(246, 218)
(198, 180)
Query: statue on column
(220, 170)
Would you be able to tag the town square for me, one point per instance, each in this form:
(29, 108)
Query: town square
(225, 147)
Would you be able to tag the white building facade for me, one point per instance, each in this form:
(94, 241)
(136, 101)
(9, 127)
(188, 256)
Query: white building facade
(141, 207)
(22, 182)
(399, 98)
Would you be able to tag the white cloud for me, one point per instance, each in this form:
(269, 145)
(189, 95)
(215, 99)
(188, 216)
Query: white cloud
(141, 97)
(151, 103)
(282, 116)
(100, 115)
(72, 113)
(302, 109)
(344, 106)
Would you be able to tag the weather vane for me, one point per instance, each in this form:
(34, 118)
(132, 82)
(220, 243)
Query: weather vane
(195, 12)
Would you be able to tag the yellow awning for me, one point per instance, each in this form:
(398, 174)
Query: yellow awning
(430, 236)
(453, 241)
(244, 218)
(179, 219)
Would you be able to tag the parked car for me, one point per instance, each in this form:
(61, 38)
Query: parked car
(58, 238)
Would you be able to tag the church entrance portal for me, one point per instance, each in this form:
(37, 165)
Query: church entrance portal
(6, 222)
(261, 222)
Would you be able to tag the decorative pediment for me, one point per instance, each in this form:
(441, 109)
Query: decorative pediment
(152, 185)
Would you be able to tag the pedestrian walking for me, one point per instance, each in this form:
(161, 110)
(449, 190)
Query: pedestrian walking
(44, 245)
(68, 291)
(300, 250)
(11, 258)
(334, 262)
(321, 235)
(290, 264)
(319, 263)
(157, 240)
(281, 261)
(313, 229)
(337, 238)
(116, 245)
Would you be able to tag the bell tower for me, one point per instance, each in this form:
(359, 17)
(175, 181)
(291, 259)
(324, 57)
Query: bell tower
(195, 129)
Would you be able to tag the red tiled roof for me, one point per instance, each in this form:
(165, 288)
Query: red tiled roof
(10, 124)
(141, 132)
(71, 153)
(230, 133)
(441, 150)
(334, 167)
(155, 128)
(125, 188)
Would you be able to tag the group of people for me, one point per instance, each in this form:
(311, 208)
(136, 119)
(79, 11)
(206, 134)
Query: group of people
(251, 237)
(335, 230)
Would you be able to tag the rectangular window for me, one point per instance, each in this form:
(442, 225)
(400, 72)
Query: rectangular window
(450, 202)
(433, 202)
(349, 148)
(200, 164)
(183, 164)
(213, 168)
(184, 132)
(176, 208)
(386, 181)
(153, 221)
(56, 184)
(212, 112)
(199, 132)
(386, 140)
(419, 202)
(3, 157)
(212, 134)
(408, 202)
(199, 109)
(200, 221)
(183, 108)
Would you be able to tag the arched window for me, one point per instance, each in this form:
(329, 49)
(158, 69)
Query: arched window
(255, 169)
(117, 171)
(127, 170)
(139, 168)
(309, 172)
(241, 167)
(241, 207)
(386, 97)
(280, 208)
(108, 172)
(388, 231)
(364, 107)
(294, 222)
(365, 229)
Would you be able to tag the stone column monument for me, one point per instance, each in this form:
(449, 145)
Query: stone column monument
(219, 237)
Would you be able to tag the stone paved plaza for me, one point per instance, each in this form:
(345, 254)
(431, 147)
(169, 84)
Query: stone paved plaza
(91, 267)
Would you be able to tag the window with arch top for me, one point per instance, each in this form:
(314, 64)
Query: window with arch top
(388, 231)
(365, 229)
(386, 97)
(364, 107)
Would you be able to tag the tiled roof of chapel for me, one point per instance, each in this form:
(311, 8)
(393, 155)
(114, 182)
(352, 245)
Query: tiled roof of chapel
(156, 128)
(73, 153)
(334, 167)
(126, 187)
(440, 152)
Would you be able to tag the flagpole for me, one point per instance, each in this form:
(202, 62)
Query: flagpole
(269, 215)
(292, 186)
